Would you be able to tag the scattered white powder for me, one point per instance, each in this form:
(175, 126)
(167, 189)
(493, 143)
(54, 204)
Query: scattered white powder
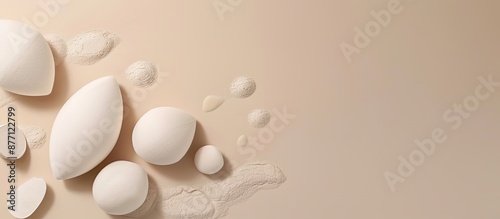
(185, 202)
(243, 87)
(35, 136)
(58, 46)
(211, 103)
(214, 200)
(242, 184)
(6, 98)
(90, 47)
(259, 118)
(242, 141)
(142, 73)
(148, 204)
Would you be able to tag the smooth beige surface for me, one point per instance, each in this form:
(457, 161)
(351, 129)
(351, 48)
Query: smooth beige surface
(353, 120)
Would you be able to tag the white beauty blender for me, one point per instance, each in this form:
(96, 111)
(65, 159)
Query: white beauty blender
(29, 197)
(163, 135)
(26, 62)
(86, 128)
(208, 159)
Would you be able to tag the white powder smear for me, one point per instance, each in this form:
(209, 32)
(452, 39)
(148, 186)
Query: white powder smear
(35, 136)
(242, 184)
(211, 103)
(243, 87)
(90, 47)
(185, 202)
(58, 46)
(148, 204)
(242, 141)
(142, 73)
(259, 118)
(214, 200)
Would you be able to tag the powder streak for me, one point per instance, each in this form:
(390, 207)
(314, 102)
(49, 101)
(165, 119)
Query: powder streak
(214, 200)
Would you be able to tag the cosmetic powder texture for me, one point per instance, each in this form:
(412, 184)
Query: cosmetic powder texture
(90, 47)
(242, 87)
(259, 118)
(36, 137)
(6, 98)
(214, 200)
(142, 74)
(185, 202)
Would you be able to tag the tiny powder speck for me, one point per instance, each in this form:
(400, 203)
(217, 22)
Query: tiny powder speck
(242, 141)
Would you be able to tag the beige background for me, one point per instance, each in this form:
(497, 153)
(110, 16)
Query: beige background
(353, 120)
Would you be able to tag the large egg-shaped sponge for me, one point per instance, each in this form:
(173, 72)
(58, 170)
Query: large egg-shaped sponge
(86, 128)
(163, 135)
(26, 62)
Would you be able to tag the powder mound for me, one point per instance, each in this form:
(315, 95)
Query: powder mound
(90, 47)
(58, 47)
(185, 202)
(243, 87)
(259, 118)
(35, 136)
(148, 204)
(142, 73)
